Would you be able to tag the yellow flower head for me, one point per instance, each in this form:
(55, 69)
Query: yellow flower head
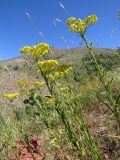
(36, 51)
(92, 19)
(85, 20)
(38, 84)
(49, 101)
(23, 84)
(60, 72)
(54, 76)
(48, 65)
(23, 81)
(11, 96)
(74, 28)
(71, 20)
(26, 50)
(80, 26)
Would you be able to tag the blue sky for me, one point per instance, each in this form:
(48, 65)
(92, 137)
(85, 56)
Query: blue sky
(23, 21)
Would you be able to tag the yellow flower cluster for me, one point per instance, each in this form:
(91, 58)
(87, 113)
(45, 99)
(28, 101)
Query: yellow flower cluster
(26, 50)
(38, 84)
(49, 101)
(47, 65)
(71, 20)
(92, 19)
(11, 96)
(36, 51)
(60, 72)
(79, 25)
(23, 84)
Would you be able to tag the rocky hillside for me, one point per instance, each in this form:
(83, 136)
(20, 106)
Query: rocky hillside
(12, 70)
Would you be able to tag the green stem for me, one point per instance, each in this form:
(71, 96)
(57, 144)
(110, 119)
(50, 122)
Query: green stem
(103, 81)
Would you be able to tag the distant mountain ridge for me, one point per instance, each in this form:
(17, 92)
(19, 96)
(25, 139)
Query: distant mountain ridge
(59, 52)
(14, 69)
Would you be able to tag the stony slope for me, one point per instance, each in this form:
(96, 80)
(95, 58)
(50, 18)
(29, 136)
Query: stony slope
(12, 70)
